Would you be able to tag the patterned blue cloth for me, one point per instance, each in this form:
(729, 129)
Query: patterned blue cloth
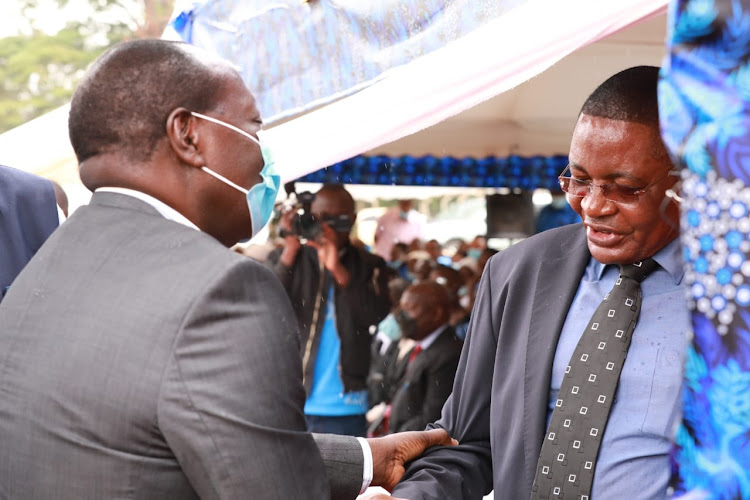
(703, 101)
(295, 55)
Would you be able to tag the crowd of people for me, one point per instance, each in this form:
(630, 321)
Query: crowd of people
(140, 358)
(381, 328)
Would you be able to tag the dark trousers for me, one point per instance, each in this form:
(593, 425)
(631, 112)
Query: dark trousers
(349, 425)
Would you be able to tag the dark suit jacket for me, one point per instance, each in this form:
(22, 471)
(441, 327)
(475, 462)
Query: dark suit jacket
(498, 407)
(426, 384)
(141, 359)
(28, 215)
(359, 305)
(386, 371)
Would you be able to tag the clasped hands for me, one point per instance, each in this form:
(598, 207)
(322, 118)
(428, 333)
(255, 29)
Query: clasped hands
(391, 453)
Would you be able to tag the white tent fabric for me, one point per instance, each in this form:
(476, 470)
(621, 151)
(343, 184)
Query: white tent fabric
(487, 62)
(39, 145)
(491, 60)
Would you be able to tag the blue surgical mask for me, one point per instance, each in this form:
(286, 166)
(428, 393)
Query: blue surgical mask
(474, 253)
(262, 196)
(389, 327)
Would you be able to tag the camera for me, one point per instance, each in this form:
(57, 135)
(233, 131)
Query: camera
(304, 224)
(307, 226)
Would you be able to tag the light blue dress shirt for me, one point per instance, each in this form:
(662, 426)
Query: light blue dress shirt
(633, 459)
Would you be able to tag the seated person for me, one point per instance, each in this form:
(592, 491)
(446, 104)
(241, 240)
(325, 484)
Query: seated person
(388, 348)
(432, 364)
(458, 316)
(399, 262)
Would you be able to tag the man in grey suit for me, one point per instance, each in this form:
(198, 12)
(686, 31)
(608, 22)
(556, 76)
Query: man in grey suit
(141, 359)
(535, 300)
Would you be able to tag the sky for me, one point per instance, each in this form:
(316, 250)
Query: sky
(48, 17)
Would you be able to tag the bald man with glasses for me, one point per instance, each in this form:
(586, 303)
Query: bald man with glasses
(551, 398)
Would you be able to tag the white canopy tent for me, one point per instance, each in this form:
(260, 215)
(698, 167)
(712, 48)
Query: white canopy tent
(512, 86)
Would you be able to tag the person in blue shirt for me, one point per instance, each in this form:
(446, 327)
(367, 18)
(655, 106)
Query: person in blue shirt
(555, 214)
(338, 291)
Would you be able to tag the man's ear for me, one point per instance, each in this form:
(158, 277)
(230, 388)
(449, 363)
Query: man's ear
(184, 137)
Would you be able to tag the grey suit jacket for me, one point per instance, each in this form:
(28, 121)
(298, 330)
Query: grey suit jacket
(139, 359)
(498, 407)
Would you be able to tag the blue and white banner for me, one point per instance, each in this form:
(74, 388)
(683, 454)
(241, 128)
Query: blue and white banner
(296, 55)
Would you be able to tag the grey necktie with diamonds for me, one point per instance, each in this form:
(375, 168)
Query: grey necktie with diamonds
(568, 458)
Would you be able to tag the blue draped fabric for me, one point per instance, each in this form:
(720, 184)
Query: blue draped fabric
(491, 172)
(704, 99)
(298, 55)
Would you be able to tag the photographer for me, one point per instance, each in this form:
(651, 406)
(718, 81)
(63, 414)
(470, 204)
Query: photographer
(338, 291)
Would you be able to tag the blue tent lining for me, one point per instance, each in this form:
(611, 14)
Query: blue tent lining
(491, 172)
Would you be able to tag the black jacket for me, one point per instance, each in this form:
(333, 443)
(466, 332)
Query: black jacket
(386, 372)
(363, 303)
(426, 384)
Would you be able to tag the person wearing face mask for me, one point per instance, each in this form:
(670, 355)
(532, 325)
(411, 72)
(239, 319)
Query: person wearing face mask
(338, 292)
(399, 224)
(387, 361)
(423, 316)
(555, 214)
(140, 358)
(400, 260)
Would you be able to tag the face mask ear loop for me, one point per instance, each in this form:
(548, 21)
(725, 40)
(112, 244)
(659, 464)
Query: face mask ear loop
(227, 125)
(671, 195)
(225, 180)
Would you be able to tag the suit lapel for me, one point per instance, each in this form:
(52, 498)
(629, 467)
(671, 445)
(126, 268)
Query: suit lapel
(430, 355)
(556, 286)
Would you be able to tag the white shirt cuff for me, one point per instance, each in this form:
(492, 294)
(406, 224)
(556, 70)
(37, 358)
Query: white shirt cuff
(60, 215)
(367, 472)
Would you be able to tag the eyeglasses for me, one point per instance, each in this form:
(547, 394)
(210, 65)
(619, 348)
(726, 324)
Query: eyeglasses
(616, 193)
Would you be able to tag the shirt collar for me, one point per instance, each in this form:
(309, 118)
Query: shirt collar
(669, 258)
(165, 210)
(428, 340)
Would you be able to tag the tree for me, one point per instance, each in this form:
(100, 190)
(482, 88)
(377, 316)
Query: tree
(39, 71)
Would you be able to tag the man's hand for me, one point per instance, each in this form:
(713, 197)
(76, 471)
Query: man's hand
(391, 453)
(291, 242)
(328, 255)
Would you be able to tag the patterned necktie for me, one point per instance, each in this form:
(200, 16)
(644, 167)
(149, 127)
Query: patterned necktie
(568, 458)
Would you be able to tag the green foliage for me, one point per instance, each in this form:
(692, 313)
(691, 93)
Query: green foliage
(39, 71)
